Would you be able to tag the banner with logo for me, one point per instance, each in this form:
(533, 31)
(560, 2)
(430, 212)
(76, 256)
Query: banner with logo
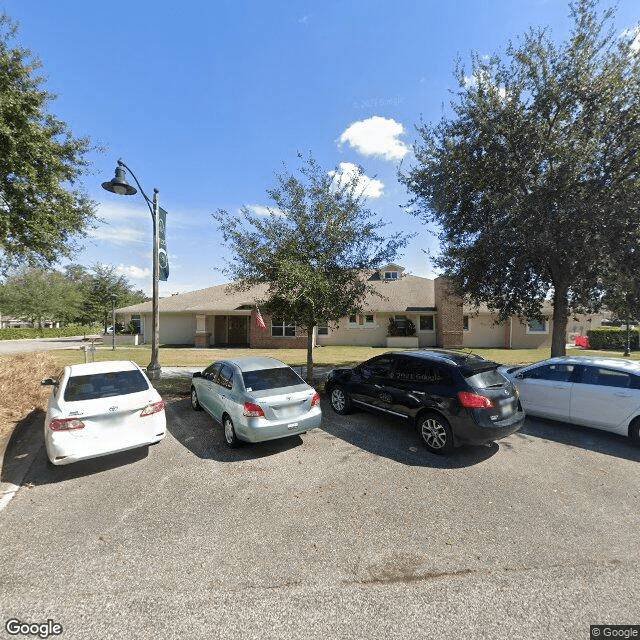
(163, 259)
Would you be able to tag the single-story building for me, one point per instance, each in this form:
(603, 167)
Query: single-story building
(221, 316)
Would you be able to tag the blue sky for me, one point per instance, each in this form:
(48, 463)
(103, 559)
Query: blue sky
(205, 101)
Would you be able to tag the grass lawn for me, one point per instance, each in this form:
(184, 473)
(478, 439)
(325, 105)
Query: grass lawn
(331, 356)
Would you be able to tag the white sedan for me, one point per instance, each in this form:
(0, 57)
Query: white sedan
(101, 408)
(603, 393)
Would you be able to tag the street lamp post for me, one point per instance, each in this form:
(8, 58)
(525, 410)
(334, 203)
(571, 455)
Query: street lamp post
(118, 184)
(113, 321)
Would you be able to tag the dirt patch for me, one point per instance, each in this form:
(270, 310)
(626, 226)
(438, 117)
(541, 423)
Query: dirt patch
(20, 390)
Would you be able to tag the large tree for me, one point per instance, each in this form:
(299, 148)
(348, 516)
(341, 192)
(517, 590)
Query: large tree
(97, 285)
(42, 205)
(40, 295)
(534, 178)
(312, 249)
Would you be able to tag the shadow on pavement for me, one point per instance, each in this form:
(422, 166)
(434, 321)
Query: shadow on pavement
(203, 436)
(25, 459)
(611, 444)
(398, 440)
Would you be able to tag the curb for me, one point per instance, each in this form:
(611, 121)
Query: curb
(17, 453)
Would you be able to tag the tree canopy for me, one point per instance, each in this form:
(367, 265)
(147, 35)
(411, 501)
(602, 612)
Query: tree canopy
(312, 248)
(42, 205)
(79, 295)
(534, 179)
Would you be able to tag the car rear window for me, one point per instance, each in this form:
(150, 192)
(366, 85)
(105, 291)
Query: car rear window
(277, 378)
(104, 385)
(487, 379)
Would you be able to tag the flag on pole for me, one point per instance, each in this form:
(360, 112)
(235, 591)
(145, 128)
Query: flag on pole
(259, 321)
(163, 260)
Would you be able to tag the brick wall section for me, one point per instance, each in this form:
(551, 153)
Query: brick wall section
(261, 338)
(450, 323)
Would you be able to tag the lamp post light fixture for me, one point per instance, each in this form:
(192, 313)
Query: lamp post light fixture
(113, 321)
(118, 184)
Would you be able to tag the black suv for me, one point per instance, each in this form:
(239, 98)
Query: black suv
(453, 398)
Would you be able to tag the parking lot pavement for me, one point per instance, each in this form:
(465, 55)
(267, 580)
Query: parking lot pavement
(351, 531)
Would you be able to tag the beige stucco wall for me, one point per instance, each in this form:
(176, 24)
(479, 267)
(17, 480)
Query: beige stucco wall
(483, 332)
(374, 335)
(175, 328)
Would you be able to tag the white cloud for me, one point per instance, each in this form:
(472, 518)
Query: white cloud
(120, 235)
(133, 272)
(370, 187)
(474, 80)
(110, 211)
(635, 45)
(259, 210)
(376, 136)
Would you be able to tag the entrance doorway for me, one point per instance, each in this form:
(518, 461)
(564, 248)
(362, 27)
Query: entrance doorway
(239, 331)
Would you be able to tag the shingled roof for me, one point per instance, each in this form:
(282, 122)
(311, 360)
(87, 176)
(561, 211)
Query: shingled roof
(408, 293)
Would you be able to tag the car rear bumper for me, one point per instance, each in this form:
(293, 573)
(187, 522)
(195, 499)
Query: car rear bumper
(67, 447)
(480, 431)
(261, 430)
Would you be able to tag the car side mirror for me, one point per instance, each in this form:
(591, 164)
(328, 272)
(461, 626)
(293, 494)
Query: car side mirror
(48, 382)
(197, 374)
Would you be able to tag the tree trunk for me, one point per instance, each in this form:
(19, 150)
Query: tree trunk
(310, 355)
(560, 315)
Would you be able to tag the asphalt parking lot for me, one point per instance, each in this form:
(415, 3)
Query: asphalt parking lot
(351, 531)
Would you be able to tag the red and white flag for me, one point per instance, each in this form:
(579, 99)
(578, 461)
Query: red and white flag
(259, 321)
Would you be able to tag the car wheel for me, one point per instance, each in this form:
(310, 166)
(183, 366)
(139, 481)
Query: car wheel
(435, 433)
(340, 402)
(230, 436)
(195, 405)
(634, 431)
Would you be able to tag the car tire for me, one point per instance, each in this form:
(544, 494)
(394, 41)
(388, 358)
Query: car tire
(195, 404)
(340, 401)
(435, 433)
(230, 436)
(634, 431)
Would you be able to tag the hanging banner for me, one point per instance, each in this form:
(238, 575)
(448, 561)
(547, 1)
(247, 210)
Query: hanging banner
(163, 259)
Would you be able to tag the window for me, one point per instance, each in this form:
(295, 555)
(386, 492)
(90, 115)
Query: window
(427, 323)
(281, 328)
(556, 372)
(378, 367)
(104, 385)
(278, 378)
(323, 328)
(211, 371)
(353, 319)
(391, 275)
(225, 377)
(369, 319)
(465, 323)
(426, 373)
(537, 326)
(401, 323)
(606, 377)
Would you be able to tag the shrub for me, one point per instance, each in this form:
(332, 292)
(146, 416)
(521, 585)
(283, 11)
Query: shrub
(612, 338)
(18, 333)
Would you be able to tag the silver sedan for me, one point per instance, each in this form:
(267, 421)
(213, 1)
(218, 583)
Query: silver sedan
(256, 399)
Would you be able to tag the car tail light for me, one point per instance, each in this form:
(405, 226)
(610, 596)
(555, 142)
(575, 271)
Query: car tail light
(315, 400)
(66, 424)
(253, 410)
(155, 407)
(475, 400)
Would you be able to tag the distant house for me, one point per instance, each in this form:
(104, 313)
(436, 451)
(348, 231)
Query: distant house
(219, 316)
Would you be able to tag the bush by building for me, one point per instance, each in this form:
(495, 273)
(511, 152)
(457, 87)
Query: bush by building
(612, 338)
